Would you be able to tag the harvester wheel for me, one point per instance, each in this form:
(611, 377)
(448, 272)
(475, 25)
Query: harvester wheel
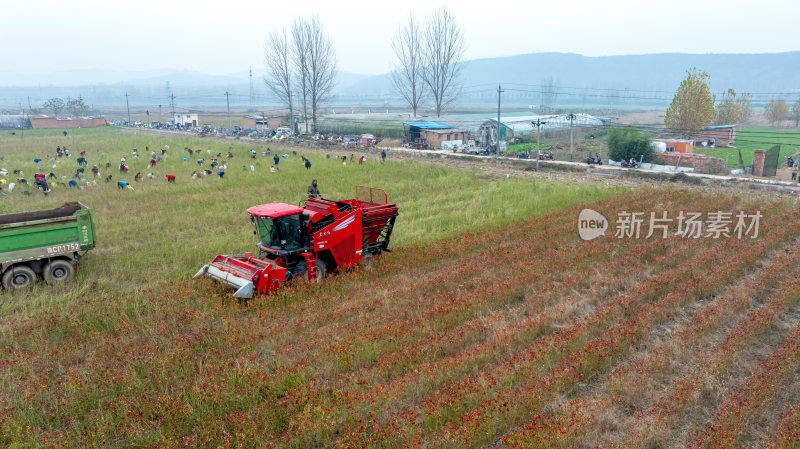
(301, 270)
(58, 271)
(17, 277)
(366, 261)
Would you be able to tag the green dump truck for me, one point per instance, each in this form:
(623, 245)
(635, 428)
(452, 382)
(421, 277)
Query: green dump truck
(44, 243)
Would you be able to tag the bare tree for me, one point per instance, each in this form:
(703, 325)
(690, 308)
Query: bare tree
(407, 76)
(443, 50)
(321, 66)
(300, 56)
(278, 79)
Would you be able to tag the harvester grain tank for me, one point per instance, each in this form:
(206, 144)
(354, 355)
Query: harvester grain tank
(307, 241)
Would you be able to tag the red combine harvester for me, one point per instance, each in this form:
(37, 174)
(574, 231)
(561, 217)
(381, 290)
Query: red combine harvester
(309, 241)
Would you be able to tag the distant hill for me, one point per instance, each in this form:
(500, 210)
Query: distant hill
(645, 80)
(595, 79)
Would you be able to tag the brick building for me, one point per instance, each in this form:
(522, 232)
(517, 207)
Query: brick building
(678, 145)
(433, 135)
(717, 136)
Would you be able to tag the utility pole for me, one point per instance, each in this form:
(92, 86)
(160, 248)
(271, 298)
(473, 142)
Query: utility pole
(228, 101)
(128, 106)
(252, 89)
(571, 117)
(497, 149)
(172, 103)
(22, 126)
(538, 124)
(29, 104)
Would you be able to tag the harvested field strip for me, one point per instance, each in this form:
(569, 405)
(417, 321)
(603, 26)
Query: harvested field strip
(471, 390)
(745, 403)
(787, 433)
(629, 382)
(510, 327)
(684, 390)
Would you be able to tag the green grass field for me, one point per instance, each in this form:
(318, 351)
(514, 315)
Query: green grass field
(753, 138)
(163, 232)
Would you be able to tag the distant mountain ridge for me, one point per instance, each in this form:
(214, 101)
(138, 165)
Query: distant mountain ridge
(630, 76)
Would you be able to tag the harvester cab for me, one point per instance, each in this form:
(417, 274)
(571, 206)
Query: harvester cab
(307, 241)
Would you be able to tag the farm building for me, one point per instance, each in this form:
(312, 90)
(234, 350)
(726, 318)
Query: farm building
(52, 122)
(677, 145)
(262, 124)
(13, 121)
(433, 135)
(187, 120)
(717, 136)
(511, 127)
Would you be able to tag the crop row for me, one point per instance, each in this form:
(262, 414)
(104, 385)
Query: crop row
(787, 432)
(452, 401)
(496, 411)
(632, 378)
(409, 348)
(712, 362)
(747, 402)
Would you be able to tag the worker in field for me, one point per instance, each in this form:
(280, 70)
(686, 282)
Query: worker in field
(313, 191)
(276, 159)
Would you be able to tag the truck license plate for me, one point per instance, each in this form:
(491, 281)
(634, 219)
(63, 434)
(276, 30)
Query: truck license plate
(58, 249)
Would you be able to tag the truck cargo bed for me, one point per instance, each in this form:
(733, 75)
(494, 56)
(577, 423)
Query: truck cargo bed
(68, 209)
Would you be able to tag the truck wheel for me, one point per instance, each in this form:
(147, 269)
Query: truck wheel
(18, 277)
(58, 271)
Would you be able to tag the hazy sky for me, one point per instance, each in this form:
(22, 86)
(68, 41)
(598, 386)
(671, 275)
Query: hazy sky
(42, 36)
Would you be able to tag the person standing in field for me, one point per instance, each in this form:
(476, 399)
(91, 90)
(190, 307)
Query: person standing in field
(308, 164)
(276, 159)
(313, 191)
(383, 156)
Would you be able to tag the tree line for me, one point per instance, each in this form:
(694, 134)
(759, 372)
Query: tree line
(71, 107)
(693, 107)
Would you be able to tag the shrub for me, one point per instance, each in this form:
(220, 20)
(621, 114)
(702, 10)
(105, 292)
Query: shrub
(627, 142)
